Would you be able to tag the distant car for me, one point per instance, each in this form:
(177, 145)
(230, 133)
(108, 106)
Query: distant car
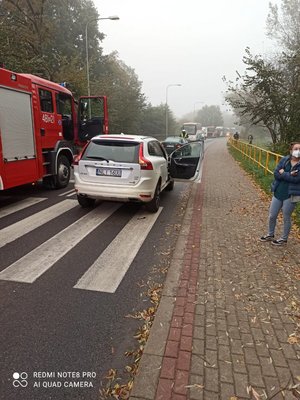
(122, 168)
(173, 143)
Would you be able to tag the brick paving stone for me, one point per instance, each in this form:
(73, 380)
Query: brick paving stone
(211, 357)
(211, 379)
(164, 389)
(238, 363)
(187, 330)
(227, 391)
(172, 349)
(178, 397)
(199, 320)
(186, 343)
(224, 353)
(225, 372)
(181, 382)
(211, 395)
(184, 360)
(267, 366)
(196, 388)
(168, 368)
(255, 375)
(174, 334)
(197, 365)
(237, 346)
(176, 322)
(251, 356)
(262, 349)
(211, 342)
(188, 318)
(241, 383)
(272, 385)
(199, 332)
(294, 366)
(198, 346)
(284, 376)
(278, 358)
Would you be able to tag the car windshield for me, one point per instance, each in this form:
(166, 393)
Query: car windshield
(120, 151)
(173, 139)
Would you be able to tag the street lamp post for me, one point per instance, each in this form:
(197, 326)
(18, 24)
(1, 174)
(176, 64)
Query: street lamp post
(113, 18)
(197, 102)
(167, 116)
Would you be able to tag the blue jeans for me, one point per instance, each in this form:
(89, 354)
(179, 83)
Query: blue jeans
(287, 208)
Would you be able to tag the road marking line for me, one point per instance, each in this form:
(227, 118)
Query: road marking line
(108, 270)
(30, 267)
(20, 206)
(71, 194)
(65, 193)
(14, 231)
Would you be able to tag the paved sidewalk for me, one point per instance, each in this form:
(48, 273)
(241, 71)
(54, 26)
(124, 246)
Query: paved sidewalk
(225, 327)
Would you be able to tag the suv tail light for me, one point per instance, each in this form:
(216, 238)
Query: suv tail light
(77, 157)
(144, 163)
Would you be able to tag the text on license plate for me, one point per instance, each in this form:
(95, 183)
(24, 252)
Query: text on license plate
(109, 172)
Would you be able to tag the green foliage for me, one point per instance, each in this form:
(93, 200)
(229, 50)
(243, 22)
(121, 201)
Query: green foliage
(123, 88)
(268, 94)
(153, 122)
(48, 39)
(210, 116)
(284, 25)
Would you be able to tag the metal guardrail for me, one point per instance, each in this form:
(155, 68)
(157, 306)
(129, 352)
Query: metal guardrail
(263, 158)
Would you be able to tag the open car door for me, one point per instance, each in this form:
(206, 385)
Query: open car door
(185, 163)
(92, 117)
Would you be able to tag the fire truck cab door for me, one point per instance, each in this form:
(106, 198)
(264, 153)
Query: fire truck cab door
(92, 117)
(50, 122)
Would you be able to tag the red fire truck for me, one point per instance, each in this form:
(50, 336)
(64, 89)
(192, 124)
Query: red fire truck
(42, 127)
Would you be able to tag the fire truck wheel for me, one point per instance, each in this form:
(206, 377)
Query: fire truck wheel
(61, 180)
(86, 202)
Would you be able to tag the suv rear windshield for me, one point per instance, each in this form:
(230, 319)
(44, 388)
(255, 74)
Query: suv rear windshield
(127, 152)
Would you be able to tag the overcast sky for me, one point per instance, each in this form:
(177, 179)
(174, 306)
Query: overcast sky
(192, 43)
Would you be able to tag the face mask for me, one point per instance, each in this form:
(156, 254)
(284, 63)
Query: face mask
(296, 153)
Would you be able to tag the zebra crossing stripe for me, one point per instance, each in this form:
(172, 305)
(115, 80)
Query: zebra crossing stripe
(20, 206)
(14, 231)
(108, 270)
(30, 267)
(65, 193)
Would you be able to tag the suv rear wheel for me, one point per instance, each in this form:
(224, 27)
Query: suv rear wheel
(153, 205)
(86, 202)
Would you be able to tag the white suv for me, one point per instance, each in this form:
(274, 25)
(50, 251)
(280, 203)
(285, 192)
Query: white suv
(122, 168)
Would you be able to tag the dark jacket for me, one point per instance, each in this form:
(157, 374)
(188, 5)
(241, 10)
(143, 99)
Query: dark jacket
(294, 181)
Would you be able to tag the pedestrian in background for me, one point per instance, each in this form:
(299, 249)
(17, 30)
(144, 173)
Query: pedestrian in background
(236, 136)
(286, 189)
(250, 139)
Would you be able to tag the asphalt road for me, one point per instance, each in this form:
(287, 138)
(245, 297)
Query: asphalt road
(55, 335)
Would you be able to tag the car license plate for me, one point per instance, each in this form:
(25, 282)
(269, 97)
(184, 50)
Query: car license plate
(109, 172)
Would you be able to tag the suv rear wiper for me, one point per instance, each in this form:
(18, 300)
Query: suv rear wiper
(99, 158)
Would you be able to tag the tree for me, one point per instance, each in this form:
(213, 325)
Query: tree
(153, 122)
(43, 37)
(210, 116)
(284, 25)
(123, 88)
(268, 95)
